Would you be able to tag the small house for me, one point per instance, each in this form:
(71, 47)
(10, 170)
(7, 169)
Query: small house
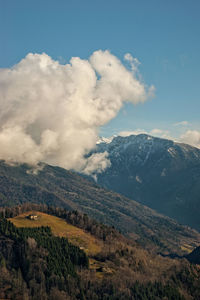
(32, 217)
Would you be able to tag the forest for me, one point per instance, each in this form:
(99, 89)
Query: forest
(35, 264)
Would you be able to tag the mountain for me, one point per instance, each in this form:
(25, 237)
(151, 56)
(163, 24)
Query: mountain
(39, 260)
(58, 187)
(159, 173)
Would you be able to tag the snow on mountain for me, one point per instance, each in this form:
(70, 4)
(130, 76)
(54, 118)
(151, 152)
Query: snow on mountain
(159, 173)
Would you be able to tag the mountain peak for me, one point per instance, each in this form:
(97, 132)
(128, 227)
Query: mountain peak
(156, 172)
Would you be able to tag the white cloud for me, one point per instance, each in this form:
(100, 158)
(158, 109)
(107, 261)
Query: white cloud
(133, 132)
(165, 134)
(97, 163)
(191, 137)
(52, 112)
(182, 123)
(134, 62)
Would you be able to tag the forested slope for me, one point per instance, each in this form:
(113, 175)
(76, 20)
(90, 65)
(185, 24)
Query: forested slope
(58, 187)
(35, 264)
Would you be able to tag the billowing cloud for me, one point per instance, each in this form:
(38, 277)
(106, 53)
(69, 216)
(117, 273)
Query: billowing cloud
(51, 112)
(191, 137)
(96, 163)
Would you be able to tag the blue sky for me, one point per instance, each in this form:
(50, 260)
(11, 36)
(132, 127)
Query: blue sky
(164, 35)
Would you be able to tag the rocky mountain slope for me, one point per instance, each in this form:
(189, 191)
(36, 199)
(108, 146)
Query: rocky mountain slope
(59, 187)
(159, 173)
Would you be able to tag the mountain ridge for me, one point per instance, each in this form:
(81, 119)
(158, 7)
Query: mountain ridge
(159, 173)
(59, 187)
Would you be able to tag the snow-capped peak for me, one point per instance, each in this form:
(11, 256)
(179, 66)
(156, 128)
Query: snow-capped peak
(105, 140)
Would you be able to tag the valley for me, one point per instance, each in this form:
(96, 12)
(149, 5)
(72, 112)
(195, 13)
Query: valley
(86, 241)
(58, 187)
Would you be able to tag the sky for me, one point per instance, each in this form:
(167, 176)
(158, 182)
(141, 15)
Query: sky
(161, 38)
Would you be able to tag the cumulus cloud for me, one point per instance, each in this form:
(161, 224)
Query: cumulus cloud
(191, 137)
(134, 63)
(52, 112)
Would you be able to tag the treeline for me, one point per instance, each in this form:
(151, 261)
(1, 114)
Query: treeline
(75, 218)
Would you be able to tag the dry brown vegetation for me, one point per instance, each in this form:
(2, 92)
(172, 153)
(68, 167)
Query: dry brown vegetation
(106, 257)
(58, 187)
(60, 228)
(117, 265)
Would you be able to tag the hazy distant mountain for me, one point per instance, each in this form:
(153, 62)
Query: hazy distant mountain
(58, 187)
(159, 173)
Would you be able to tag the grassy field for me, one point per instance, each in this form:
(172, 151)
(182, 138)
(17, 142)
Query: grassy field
(60, 228)
(187, 248)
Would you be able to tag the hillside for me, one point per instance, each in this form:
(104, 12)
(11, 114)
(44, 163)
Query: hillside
(58, 187)
(61, 228)
(159, 173)
(33, 262)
